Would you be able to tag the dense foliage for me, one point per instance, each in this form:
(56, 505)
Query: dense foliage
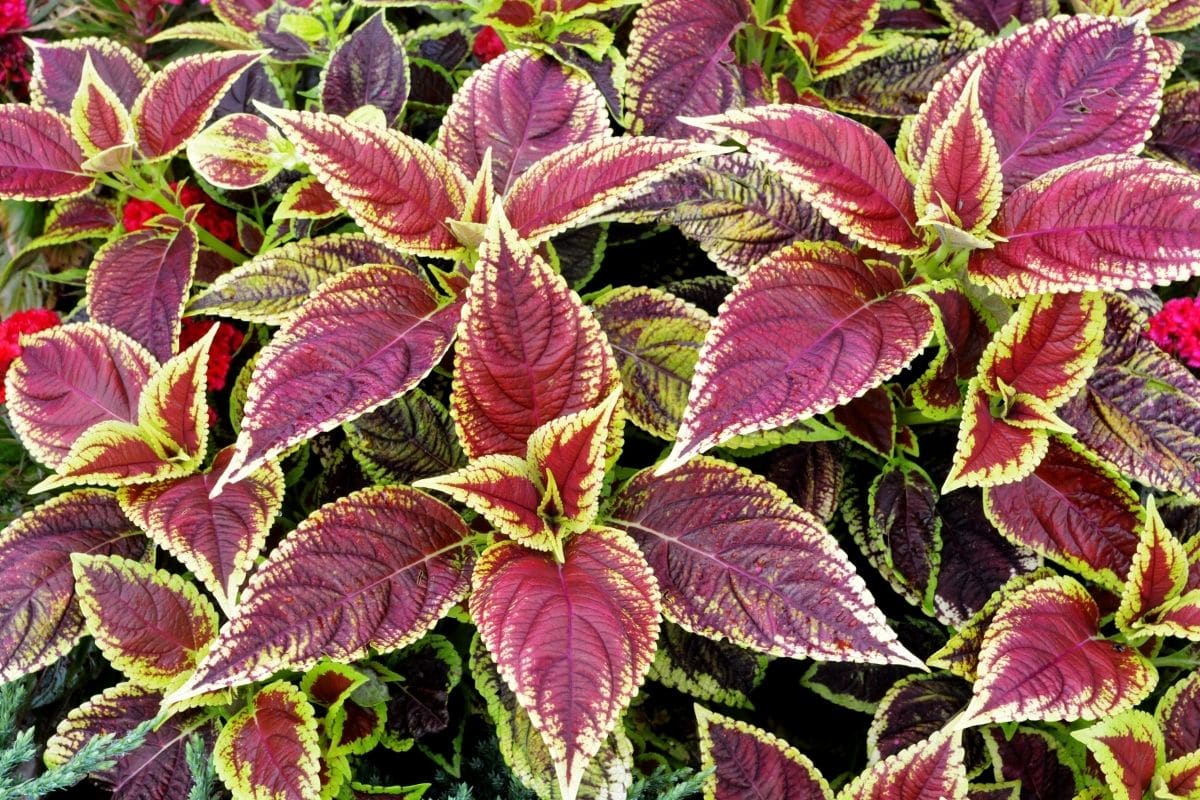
(528, 397)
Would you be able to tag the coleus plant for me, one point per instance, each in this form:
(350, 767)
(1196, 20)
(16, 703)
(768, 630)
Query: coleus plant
(999, 242)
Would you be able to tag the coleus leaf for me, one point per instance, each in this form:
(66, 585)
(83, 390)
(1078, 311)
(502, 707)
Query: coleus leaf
(150, 624)
(1158, 571)
(369, 67)
(929, 770)
(870, 420)
(716, 534)
(1129, 749)
(40, 618)
(1175, 15)
(914, 710)
(959, 185)
(1039, 359)
(582, 181)
(138, 283)
(524, 107)
(372, 570)
(1177, 133)
(70, 378)
(828, 33)
(903, 532)
(238, 151)
(1139, 409)
(99, 120)
(408, 196)
(177, 100)
(843, 169)
(39, 157)
(365, 337)
(269, 749)
(58, 70)
(1180, 777)
(576, 676)
(992, 16)
(216, 538)
(508, 491)
(1104, 208)
(655, 337)
(1093, 87)
(811, 473)
(748, 761)
(155, 770)
(1177, 714)
(774, 355)
(419, 706)
(270, 286)
(963, 334)
(1074, 510)
(410, 438)
(608, 775)
(1043, 659)
(168, 440)
(307, 199)
(708, 670)
(680, 64)
(1035, 759)
(528, 351)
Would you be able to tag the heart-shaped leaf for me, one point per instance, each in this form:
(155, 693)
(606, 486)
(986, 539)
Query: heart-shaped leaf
(1043, 659)
(238, 151)
(373, 570)
(750, 762)
(573, 640)
(808, 329)
(39, 615)
(717, 535)
(271, 746)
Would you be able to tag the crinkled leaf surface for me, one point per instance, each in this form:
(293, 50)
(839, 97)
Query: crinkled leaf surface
(913, 710)
(750, 762)
(368, 68)
(410, 438)
(929, 770)
(736, 559)
(1129, 749)
(58, 69)
(1178, 713)
(269, 749)
(39, 159)
(1177, 133)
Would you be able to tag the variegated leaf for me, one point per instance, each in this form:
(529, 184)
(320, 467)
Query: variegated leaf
(269, 750)
(842, 168)
(1177, 133)
(749, 762)
(573, 640)
(99, 120)
(150, 624)
(1175, 15)
(508, 491)
(902, 536)
(736, 559)
(827, 33)
(1073, 509)
(1089, 226)
(915, 709)
(1034, 759)
(681, 64)
(524, 107)
(1043, 658)
(70, 378)
(307, 199)
(39, 614)
(656, 339)
(993, 16)
(366, 337)
(1091, 86)
(270, 286)
(580, 182)
(410, 438)
(1177, 714)
(528, 351)
(138, 283)
(368, 67)
(409, 193)
(1158, 573)
(238, 151)
(39, 159)
(808, 329)
(58, 70)
(706, 669)
(216, 538)
(929, 770)
(373, 570)
(177, 100)
(962, 331)
(1129, 749)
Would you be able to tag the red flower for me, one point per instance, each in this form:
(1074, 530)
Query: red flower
(488, 44)
(214, 217)
(226, 343)
(29, 321)
(1176, 329)
(14, 55)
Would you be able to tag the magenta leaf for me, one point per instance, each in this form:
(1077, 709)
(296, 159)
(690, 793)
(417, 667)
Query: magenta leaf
(573, 640)
(806, 330)
(39, 614)
(58, 69)
(39, 159)
(138, 284)
(1177, 133)
(736, 559)
(1087, 226)
(524, 107)
(1092, 86)
(750, 762)
(929, 770)
(366, 337)
(991, 16)
(368, 68)
(680, 64)
(373, 570)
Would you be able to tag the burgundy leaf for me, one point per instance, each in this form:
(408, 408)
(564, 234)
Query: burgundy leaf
(750, 762)
(1177, 133)
(929, 770)
(39, 159)
(270, 747)
(1036, 760)
(992, 16)
(1178, 714)
(914, 710)
(58, 69)
(368, 68)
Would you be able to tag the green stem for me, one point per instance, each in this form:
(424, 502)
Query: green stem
(147, 190)
(1176, 660)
